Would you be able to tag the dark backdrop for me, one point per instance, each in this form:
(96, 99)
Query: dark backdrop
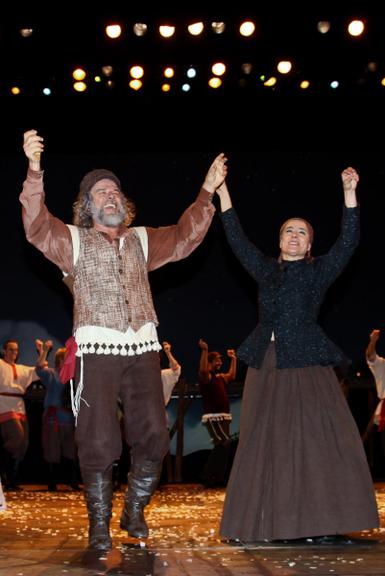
(286, 153)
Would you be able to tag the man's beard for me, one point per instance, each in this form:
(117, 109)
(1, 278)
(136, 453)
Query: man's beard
(108, 220)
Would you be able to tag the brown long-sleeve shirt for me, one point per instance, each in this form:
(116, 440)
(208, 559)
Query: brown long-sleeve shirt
(165, 244)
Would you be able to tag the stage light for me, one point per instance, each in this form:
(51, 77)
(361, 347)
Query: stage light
(247, 68)
(186, 87)
(218, 68)
(113, 31)
(80, 86)
(196, 28)
(247, 28)
(166, 87)
(215, 82)
(136, 72)
(191, 72)
(304, 85)
(79, 74)
(218, 27)
(272, 81)
(135, 84)
(107, 71)
(26, 32)
(166, 31)
(356, 27)
(168, 72)
(47, 91)
(15, 90)
(323, 26)
(372, 66)
(140, 29)
(334, 84)
(284, 66)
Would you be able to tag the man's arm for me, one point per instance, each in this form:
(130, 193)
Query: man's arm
(47, 233)
(231, 374)
(172, 362)
(204, 374)
(43, 349)
(371, 348)
(172, 243)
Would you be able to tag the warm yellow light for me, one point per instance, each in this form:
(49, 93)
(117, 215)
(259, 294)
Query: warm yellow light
(169, 72)
(270, 82)
(247, 28)
(79, 74)
(136, 72)
(113, 30)
(80, 86)
(304, 84)
(356, 27)
(383, 82)
(15, 90)
(215, 82)
(166, 87)
(196, 28)
(218, 68)
(135, 84)
(166, 31)
(284, 66)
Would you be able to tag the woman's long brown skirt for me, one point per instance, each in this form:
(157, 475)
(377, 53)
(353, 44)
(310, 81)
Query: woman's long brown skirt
(300, 469)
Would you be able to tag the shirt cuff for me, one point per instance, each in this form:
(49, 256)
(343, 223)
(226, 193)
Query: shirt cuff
(35, 174)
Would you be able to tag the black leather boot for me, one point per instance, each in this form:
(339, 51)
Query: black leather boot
(11, 473)
(142, 481)
(98, 495)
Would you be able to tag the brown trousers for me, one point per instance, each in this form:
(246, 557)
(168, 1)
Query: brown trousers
(136, 381)
(15, 437)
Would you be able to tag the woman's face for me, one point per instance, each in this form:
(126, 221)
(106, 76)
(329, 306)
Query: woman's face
(294, 240)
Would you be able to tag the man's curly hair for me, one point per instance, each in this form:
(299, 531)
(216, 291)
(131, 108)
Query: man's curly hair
(82, 207)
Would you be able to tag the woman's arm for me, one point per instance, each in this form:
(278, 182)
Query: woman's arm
(350, 180)
(247, 253)
(224, 196)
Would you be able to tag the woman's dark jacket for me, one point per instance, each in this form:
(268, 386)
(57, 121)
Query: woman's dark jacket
(290, 295)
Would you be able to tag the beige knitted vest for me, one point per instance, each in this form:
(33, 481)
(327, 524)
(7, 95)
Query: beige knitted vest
(111, 287)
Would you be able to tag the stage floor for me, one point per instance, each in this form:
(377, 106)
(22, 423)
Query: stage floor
(45, 534)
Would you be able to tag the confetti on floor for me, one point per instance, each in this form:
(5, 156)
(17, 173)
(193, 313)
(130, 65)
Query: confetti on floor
(45, 533)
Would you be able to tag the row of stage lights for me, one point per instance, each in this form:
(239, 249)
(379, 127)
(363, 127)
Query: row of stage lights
(175, 80)
(246, 28)
(172, 80)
